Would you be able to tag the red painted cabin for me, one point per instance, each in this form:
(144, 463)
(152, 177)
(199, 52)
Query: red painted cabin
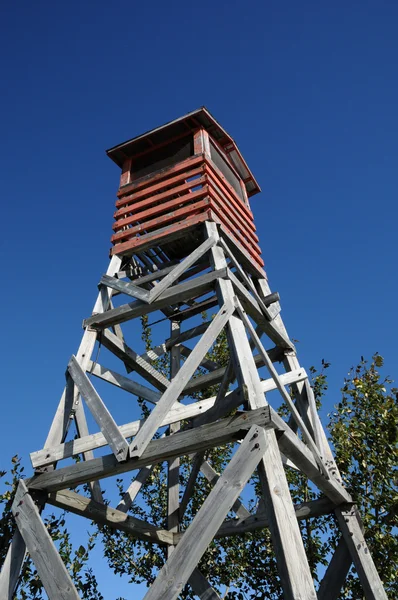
(174, 178)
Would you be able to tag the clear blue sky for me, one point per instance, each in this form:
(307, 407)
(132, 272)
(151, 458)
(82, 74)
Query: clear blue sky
(307, 89)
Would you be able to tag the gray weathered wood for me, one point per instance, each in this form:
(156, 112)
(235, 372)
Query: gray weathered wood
(252, 307)
(352, 530)
(134, 488)
(188, 334)
(291, 362)
(87, 443)
(180, 565)
(185, 264)
(56, 432)
(296, 578)
(133, 360)
(173, 465)
(294, 449)
(178, 293)
(212, 477)
(125, 287)
(286, 397)
(336, 573)
(186, 442)
(122, 382)
(243, 256)
(51, 569)
(106, 515)
(202, 587)
(10, 571)
(197, 460)
(246, 279)
(161, 409)
(209, 379)
(99, 411)
(305, 510)
(83, 432)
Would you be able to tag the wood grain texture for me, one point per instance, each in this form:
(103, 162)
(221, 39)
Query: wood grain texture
(178, 293)
(185, 442)
(177, 385)
(336, 573)
(51, 569)
(112, 517)
(180, 565)
(352, 530)
(101, 414)
(11, 568)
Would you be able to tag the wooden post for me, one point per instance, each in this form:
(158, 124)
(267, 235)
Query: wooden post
(173, 465)
(292, 562)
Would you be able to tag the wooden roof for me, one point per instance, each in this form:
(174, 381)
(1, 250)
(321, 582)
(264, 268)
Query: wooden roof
(174, 129)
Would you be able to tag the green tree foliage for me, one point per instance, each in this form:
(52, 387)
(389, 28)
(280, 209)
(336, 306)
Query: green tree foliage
(363, 431)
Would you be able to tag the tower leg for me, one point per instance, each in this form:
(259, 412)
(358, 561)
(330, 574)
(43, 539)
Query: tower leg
(352, 529)
(12, 566)
(294, 571)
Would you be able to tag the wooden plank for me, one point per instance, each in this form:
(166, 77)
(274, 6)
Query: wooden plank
(134, 360)
(253, 309)
(186, 442)
(195, 469)
(157, 274)
(294, 449)
(216, 376)
(155, 178)
(98, 440)
(122, 382)
(153, 205)
(336, 573)
(210, 365)
(184, 265)
(352, 530)
(294, 571)
(134, 489)
(212, 477)
(175, 573)
(11, 568)
(57, 430)
(125, 287)
(173, 465)
(82, 432)
(161, 409)
(162, 236)
(196, 309)
(99, 411)
(202, 587)
(303, 511)
(106, 515)
(178, 293)
(245, 259)
(292, 562)
(187, 209)
(246, 279)
(281, 388)
(51, 569)
(188, 334)
(220, 404)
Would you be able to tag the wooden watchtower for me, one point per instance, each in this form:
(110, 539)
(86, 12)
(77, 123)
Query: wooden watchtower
(185, 242)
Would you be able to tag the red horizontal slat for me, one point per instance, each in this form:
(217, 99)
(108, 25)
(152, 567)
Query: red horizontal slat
(156, 238)
(156, 201)
(240, 232)
(154, 178)
(157, 188)
(161, 221)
